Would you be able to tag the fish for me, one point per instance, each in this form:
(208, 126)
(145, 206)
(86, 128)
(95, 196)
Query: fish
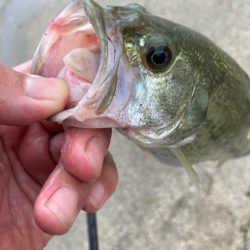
(164, 86)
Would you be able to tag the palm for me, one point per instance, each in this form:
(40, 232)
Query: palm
(20, 186)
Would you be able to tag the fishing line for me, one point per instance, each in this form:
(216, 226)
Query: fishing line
(92, 231)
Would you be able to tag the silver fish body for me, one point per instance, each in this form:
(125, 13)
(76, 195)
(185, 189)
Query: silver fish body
(162, 85)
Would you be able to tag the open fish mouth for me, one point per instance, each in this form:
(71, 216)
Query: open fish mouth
(82, 46)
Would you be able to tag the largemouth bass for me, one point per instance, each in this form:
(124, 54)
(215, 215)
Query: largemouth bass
(164, 86)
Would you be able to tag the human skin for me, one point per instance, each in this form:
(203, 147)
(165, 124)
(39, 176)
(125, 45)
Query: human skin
(48, 173)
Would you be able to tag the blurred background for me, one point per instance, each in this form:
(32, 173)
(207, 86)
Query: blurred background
(155, 206)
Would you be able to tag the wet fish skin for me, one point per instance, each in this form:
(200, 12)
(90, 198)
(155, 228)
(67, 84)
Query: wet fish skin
(197, 105)
(202, 95)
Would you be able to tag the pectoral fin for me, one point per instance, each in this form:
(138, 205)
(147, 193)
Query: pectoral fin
(246, 150)
(188, 166)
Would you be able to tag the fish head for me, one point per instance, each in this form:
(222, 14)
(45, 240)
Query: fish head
(147, 76)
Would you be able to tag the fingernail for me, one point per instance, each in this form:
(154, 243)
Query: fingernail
(97, 195)
(63, 204)
(96, 150)
(45, 88)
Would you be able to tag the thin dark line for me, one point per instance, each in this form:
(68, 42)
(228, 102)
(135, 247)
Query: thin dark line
(92, 231)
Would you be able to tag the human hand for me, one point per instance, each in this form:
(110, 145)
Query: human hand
(55, 172)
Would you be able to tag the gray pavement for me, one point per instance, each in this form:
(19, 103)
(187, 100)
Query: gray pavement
(155, 206)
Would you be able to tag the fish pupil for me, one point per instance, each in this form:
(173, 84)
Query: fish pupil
(159, 57)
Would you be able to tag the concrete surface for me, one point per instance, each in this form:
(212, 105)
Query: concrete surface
(155, 206)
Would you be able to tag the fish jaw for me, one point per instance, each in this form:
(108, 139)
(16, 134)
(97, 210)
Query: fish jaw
(83, 39)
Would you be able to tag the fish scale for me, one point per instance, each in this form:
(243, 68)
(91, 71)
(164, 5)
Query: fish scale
(194, 102)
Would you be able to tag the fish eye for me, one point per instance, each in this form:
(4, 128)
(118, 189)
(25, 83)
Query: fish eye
(158, 58)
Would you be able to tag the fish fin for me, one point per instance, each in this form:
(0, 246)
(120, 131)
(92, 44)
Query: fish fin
(246, 150)
(221, 162)
(188, 167)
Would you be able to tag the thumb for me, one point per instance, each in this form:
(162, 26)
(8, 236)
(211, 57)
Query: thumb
(27, 98)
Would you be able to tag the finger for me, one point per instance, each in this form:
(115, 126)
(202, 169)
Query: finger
(103, 187)
(24, 67)
(39, 164)
(25, 98)
(84, 151)
(60, 201)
